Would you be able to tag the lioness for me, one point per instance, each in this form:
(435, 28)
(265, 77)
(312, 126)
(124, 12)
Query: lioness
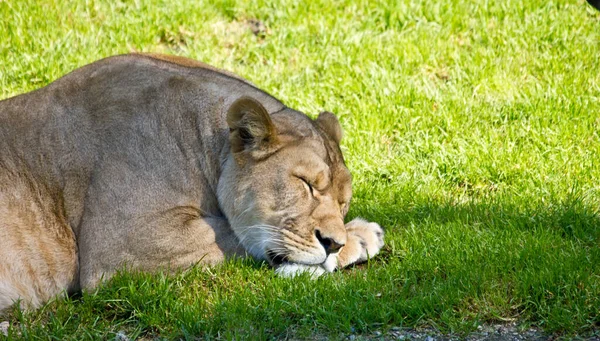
(157, 162)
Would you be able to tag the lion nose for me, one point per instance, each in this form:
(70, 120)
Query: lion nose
(329, 244)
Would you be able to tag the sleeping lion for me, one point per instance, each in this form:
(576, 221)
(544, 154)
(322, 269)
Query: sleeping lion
(155, 162)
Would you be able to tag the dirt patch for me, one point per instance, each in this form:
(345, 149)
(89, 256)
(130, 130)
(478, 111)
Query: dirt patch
(492, 332)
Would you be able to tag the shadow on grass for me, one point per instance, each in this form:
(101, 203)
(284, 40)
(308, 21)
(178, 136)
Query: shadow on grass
(495, 260)
(571, 218)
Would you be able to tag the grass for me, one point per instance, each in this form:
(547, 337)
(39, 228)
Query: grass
(472, 130)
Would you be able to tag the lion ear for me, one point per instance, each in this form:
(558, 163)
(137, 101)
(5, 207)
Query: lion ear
(250, 125)
(330, 124)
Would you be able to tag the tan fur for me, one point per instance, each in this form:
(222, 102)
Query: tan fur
(157, 162)
(37, 248)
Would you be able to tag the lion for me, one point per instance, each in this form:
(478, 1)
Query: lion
(154, 162)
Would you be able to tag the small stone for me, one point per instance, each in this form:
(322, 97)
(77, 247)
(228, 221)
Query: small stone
(121, 336)
(429, 338)
(377, 333)
(480, 327)
(4, 328)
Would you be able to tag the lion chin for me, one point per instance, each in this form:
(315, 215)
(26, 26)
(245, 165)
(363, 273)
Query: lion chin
(154, 162)
(291, 270)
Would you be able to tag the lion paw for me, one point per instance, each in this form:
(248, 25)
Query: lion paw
(365, 240)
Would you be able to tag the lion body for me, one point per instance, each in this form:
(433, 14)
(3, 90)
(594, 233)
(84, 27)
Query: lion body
(128, 162)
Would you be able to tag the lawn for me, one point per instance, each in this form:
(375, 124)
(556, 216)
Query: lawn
(472, 129)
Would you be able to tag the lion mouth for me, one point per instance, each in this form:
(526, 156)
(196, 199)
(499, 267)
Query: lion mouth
(276, 258)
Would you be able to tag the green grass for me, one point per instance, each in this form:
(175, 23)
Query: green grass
(472, 129)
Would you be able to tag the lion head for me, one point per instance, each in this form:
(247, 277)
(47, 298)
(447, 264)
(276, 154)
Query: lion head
(285, 188)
